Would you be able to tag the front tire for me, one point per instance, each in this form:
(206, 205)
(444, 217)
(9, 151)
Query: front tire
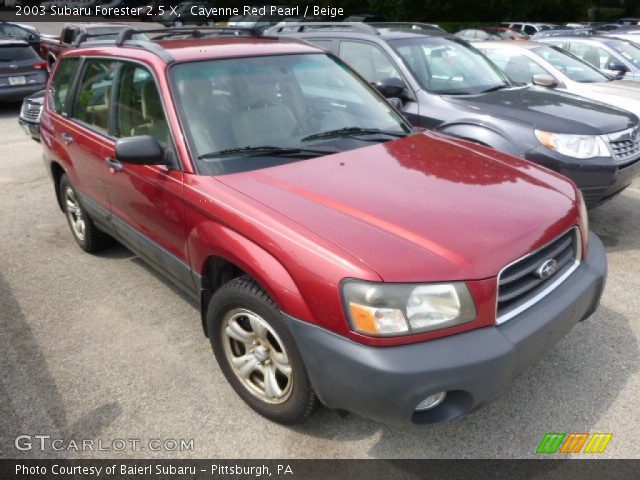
(257, 353)
(89, 237)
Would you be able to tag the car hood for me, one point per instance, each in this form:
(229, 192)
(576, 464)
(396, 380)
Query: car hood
(423, 208)
(549, 110)
(620, 94)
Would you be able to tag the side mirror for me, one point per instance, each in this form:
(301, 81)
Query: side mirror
(544, 80)
(617, 67)
(390, 87)
(140, 150)
(395, 102)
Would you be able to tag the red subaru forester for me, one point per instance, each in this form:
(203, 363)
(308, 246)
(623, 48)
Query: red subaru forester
(338, 256)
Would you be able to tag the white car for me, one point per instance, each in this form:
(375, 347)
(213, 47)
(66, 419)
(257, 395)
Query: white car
(552, 67)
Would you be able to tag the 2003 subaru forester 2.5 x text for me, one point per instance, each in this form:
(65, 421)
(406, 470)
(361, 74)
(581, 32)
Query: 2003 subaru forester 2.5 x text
(338, 256)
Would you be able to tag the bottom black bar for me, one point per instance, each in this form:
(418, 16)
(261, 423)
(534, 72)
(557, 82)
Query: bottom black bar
(320, 469)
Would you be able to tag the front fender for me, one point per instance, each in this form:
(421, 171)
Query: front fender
(253, 260)
(483, 135)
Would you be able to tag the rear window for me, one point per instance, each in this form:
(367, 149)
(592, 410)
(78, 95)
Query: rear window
(14, 53)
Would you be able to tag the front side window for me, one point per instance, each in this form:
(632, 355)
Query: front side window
(573, 68)
(243, 114)
(138, 106)
(595, 56)
(62, 83)
(519, 68)
(91, 104)
(368, 60)
(449, 67)
(627, 50)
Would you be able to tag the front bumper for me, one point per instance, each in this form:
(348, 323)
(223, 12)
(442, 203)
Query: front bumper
(599, 179)
(386, 383)
(30, 128)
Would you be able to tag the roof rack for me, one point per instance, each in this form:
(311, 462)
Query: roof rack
(410, 25)
(189, 32)
(85, 37)
(298, 27)
(125, 38)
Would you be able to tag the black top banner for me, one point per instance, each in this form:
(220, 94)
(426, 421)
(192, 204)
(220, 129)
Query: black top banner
(372, 10)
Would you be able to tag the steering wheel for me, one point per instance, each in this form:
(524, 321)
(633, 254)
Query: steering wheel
(308, 116)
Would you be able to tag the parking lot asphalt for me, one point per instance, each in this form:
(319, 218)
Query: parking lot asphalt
(101, 347)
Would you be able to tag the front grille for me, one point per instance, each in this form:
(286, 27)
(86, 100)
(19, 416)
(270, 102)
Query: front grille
(30, 111)
(625, 145)
(526, 281)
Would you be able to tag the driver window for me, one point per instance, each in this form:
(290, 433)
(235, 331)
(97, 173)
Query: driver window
(518, 68)
(368, 60)
(138, 106)
(596, 56)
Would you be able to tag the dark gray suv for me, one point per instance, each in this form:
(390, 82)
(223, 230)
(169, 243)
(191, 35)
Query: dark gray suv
(445, 84)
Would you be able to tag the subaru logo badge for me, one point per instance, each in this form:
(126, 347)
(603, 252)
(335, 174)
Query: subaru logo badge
(548, 268)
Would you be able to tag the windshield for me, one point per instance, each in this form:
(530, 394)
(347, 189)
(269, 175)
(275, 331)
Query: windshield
(446, 66)
(572, 67)
(627, 50)
(243, 114)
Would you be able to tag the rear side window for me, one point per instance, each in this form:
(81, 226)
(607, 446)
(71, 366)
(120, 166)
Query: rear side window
(91, 104)
(16, 53)
(62, 83)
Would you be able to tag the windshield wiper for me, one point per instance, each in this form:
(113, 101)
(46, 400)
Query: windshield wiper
(497, 87)
(352, 132)
(265, 150)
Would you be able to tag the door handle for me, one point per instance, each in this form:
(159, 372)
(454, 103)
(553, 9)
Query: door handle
(67, 138)
(114, 164)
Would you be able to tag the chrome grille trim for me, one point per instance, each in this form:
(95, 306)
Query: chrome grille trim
(554, 281)
(30, 112)
(624, 145)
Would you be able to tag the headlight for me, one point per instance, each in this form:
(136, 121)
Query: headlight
(577, 146)
(384, 309)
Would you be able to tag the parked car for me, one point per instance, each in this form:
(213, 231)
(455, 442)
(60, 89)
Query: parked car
(445, 84)
(628, 21)
(194, 13)
(30, 113)
(336, 254)
(552, 67)
(51, 48)
(364, 18)
(506, 33)
(605, 27)
(563, 32)
(476, 35)
(22, 71)
(613, 56)
(530, 28)
(255, 21)
(630, 34)
(26, 33)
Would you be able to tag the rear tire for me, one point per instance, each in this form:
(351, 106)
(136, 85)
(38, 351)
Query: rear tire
(257, 353)
(89, 237)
